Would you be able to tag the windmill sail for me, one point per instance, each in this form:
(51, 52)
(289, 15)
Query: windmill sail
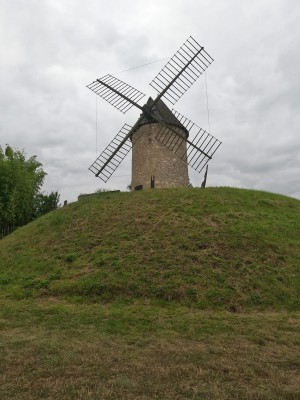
(184, 68)
(201, 145)
(118, 93)
(201, 149)
(112, 156)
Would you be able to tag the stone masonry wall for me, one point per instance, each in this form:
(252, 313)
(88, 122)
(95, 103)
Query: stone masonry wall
(151, 158)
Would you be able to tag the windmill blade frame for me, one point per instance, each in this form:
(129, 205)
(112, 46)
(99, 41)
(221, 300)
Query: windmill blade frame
(201, 145)
(112, 156)
(117, 93)
(183, 69)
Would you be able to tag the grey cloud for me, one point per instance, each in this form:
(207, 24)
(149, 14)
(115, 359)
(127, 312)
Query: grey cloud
(52, 50)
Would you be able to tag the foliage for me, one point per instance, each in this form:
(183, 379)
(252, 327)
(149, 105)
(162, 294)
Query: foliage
(20, 182)
(45, 203)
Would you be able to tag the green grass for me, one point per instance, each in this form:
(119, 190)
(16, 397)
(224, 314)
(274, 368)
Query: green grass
(160, 294)
(213, 248)
(61, 350)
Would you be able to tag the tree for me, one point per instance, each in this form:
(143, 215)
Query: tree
(20, 182)
(45, 203)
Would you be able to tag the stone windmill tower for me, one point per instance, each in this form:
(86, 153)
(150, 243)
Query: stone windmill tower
(163, 142)
(153, 164)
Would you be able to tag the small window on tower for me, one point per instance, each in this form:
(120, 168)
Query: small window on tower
(150, 140)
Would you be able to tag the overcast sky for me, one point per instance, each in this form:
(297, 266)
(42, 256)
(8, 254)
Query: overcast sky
(51, 49)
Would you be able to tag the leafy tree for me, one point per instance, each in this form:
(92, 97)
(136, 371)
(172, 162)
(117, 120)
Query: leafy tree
(45, 203)
(20, 182)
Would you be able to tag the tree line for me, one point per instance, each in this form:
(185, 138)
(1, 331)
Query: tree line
(21, 180)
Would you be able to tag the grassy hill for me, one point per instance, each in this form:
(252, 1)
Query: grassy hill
(210, 248)
(178, 293)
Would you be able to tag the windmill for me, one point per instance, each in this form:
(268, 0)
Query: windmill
(163, 142)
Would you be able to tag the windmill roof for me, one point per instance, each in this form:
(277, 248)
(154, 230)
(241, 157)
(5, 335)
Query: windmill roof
(161, 112)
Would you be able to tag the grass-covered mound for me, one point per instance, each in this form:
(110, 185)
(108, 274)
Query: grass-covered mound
(213, 248)
(154, 295)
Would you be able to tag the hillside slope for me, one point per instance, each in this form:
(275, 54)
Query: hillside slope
(213, 248)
